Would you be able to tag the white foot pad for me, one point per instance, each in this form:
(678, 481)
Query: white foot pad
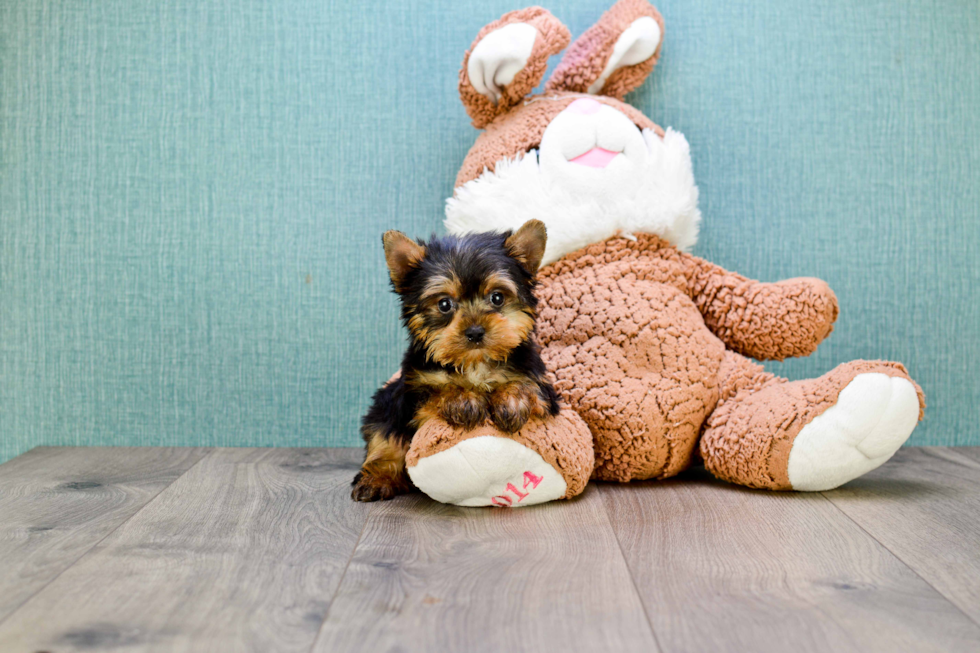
(488, 471)
(874, 415)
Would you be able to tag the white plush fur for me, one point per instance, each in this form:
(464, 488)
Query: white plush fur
(651, 191)
(498, 57)
(475, 471)
(874, 415)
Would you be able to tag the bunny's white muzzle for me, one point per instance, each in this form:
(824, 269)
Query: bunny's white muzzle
(594, 175)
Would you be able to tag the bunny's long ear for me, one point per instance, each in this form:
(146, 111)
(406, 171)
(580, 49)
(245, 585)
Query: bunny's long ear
(507, 60)
(615, 55)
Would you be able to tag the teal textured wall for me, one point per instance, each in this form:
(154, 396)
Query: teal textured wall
(192, 194)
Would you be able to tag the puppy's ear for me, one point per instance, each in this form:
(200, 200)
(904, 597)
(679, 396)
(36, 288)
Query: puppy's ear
(507, 60)
(527, 244)
(402, 254)
(613, 56)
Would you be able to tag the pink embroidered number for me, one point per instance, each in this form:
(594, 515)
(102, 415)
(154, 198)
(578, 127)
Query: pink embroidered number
(505, 501)
(531, 478)
(520, 495)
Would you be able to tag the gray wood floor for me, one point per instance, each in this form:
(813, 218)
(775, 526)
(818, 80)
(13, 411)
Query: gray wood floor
(262, 550)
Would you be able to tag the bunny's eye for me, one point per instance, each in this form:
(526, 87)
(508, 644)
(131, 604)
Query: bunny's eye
(497, 299)
(445, 305)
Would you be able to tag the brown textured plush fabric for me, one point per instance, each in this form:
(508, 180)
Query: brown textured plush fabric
(521, 128)
(631, 354)
(563, 441)
(640, 336)
(647, 344)
(587, 58)
(643, 343)
(749, 435)
(767, 321)
(552, 38)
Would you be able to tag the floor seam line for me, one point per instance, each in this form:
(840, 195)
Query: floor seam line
(103, 538)
(622, 555)
(340, 582)
(900, 559)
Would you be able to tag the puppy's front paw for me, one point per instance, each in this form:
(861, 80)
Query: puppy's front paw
(369, 487)
(467, 410)
(511, 408)
(511, 416)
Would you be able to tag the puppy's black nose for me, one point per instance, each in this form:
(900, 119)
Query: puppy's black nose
(475, 333)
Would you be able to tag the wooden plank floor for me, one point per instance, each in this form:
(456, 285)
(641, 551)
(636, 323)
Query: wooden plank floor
(262, 550)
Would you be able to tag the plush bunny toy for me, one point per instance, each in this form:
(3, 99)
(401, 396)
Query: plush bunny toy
(649, 345)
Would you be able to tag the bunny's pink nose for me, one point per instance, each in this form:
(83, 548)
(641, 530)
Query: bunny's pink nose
(584, 106)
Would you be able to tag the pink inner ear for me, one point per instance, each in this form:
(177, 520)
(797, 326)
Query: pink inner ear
(597, 157)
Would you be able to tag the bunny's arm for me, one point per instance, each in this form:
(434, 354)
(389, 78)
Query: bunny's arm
(766, 321)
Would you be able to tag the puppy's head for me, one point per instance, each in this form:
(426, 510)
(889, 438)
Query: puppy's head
(467, 299)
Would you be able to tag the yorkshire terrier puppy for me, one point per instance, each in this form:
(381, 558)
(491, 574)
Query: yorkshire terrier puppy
(468, 303)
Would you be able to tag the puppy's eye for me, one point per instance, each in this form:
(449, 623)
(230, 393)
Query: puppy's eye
(446, 305)
(497, 298)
